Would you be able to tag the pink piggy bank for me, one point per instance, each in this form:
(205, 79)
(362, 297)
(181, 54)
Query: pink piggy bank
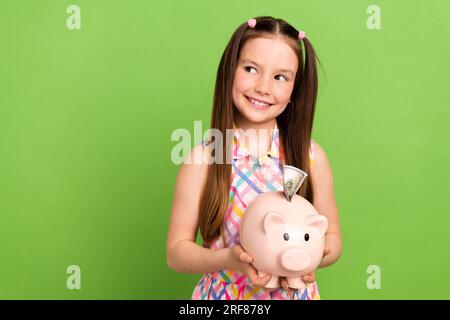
(284, 238)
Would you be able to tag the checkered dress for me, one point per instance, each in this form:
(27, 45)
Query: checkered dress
(250, 176)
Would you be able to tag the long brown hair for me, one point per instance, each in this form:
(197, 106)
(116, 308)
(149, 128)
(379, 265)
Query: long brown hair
(294, 123)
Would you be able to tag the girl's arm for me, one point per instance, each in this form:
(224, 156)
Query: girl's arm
(184, 255)
(325, 203)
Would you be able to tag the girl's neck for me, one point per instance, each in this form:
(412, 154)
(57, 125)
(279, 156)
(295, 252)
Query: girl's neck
(244, 124)
(260, 144)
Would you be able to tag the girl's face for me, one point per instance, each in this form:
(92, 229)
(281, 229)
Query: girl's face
(264, 79)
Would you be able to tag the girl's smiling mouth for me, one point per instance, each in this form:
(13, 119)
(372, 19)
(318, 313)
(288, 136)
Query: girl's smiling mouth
(258, 103)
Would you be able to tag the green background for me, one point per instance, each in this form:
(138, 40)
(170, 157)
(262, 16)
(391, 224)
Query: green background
(86, 118)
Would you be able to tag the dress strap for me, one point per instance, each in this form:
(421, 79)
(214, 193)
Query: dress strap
(311, 153)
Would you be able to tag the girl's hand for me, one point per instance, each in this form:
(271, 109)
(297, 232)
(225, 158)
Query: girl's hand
(241, 261)
(332, 250)
(307, 278)
(326, 252)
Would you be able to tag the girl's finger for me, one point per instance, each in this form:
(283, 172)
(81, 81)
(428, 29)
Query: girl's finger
(237, 250)
(254, 278)
(309, 278)
(241, 254)
(264, 280)
(245, 257)
(251, 272)
(260, 282)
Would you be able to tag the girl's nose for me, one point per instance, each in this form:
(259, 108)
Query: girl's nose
(262, 86)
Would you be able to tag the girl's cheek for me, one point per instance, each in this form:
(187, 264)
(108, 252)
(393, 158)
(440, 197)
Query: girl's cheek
(243, 80)
(286, 92)
(246, 84)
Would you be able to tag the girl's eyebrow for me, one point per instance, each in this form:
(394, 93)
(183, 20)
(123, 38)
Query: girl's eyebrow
(280, 70)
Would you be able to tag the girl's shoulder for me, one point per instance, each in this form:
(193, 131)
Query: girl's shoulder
(322, 166)
(199, 154)
(192, 174)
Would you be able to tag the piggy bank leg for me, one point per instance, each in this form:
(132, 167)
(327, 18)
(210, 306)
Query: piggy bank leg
(273, 282)
(296, 282)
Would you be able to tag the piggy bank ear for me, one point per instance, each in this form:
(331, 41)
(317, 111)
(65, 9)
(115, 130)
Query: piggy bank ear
(271, 219)
(318, 222)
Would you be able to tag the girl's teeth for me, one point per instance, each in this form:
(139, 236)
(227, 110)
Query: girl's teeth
(259, 103)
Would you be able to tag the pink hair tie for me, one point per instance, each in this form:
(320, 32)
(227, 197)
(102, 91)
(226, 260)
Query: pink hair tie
(251, 23)
(301, 35)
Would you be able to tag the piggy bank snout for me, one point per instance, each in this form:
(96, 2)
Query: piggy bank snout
(295, 260)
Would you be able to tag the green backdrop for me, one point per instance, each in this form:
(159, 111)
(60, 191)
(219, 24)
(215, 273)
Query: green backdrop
(86, 118)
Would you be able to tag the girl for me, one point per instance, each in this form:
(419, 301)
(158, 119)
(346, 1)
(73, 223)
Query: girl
(264, 83)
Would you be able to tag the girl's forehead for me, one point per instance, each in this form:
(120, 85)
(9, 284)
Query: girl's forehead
(267, 42)
(271, 50)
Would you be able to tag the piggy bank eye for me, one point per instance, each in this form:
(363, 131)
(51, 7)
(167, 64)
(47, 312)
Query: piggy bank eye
(286, 236)
(306, 237)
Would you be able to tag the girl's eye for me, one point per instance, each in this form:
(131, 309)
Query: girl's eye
(247, 68)
(280, 75)
(306, 237)
(286, 236)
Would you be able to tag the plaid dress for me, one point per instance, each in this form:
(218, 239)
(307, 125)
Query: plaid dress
(250, 176)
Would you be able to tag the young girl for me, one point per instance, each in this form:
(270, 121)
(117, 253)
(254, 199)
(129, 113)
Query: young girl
(263, 83)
